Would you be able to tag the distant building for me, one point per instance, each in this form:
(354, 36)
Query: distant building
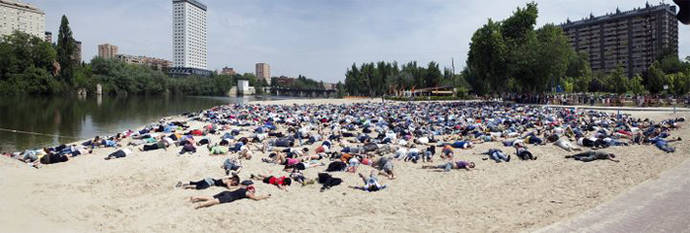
(243, 88)
(189, 38)
(632, 39)
(263, 71)
(77, 51)
(228, 71)
(282, 81)
(329, 86)
(17, 16)
(48, 37)
(154, 63)
(107, 51)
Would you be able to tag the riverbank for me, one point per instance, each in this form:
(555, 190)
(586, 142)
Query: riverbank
(51, 120)
(136, 194)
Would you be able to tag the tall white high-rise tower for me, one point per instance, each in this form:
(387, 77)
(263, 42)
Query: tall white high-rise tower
(189, 35)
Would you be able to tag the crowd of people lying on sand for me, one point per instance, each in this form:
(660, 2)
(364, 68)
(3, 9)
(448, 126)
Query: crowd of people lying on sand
(346, 136)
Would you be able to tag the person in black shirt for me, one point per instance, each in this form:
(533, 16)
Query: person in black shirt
(246, 190)
(52, 157)
(592, 155)
(226, 182)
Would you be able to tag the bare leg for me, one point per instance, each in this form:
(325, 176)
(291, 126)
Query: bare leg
(195, 199)
(364, 179)
(208, 203)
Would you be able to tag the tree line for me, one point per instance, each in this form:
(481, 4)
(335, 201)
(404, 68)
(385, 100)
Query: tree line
(511, 56)
(389, 78)
(29, 65)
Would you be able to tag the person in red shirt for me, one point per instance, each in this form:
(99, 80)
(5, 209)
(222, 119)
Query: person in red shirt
(281, 182)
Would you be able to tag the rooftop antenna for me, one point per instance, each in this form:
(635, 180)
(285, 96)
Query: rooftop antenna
(452, 64)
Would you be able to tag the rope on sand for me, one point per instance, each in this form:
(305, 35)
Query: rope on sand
(36, 133)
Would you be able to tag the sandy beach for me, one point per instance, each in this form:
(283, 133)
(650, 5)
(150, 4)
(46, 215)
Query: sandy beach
(137, 194)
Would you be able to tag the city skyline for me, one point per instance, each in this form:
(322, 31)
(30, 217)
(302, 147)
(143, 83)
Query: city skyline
(313, 38)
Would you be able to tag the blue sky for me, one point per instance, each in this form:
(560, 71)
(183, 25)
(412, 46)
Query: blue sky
(316, 38)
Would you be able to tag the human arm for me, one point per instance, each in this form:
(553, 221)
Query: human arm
(257, 197)
(283, 187)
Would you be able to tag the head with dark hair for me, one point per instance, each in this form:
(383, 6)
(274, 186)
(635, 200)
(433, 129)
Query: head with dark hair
(287, 181)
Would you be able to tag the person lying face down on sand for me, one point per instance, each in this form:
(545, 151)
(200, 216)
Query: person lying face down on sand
(565, 144)
(497, 155)
(124, 152)
(523, 153)
(371, 184)
(246, 190)
(447, 152)
(227, 182)
(662, 143)
(593, 155)
(280, 182)
(458, 144)
(231, 165)
(460, 164)
(299, 177)
(385, 166)
(162, 143)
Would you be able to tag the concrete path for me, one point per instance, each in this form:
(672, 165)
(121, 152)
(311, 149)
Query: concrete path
(661, 205)
(624, 109)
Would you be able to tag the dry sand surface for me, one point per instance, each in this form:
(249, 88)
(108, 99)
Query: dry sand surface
(136, 194)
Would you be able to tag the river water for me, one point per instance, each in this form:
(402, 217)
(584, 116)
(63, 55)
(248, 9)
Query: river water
(75, 118)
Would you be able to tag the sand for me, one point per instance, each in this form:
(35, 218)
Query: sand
(136, 194)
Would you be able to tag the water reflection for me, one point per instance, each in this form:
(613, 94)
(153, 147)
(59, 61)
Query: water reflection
(82, 118)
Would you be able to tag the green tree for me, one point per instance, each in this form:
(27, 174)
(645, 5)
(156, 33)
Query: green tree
(553, 53)
(656, 79)
(516, 28)
(487, 59)
(66, 48)
(433, 75)
(522, 47)
(580, 70)
(618, 81)
(679, 83)
(636, 85)
(568, 84)
(25, 64)
(671, 64)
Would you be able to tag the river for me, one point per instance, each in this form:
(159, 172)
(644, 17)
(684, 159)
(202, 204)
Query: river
(33, 122)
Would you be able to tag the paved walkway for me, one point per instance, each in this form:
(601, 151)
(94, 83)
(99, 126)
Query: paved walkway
(661, 205)
(644, 109)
